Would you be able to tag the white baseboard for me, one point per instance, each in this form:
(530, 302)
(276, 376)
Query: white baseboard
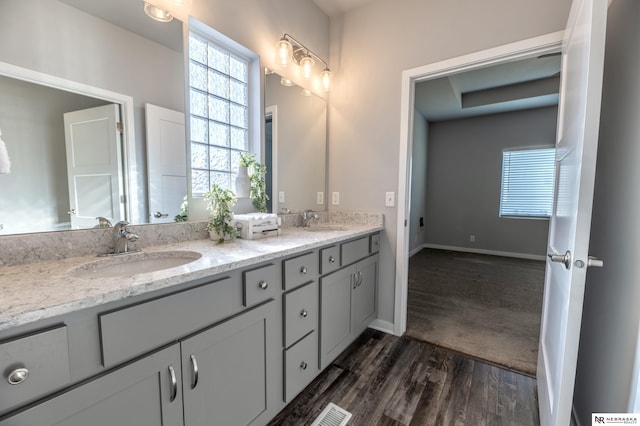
(380, 325)
(481, 251)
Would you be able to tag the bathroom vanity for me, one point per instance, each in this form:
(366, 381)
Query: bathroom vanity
(227, 338)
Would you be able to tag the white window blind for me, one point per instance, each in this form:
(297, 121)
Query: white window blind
(528, 181)
(219, 110)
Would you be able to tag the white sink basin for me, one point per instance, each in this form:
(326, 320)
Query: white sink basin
(134, 263)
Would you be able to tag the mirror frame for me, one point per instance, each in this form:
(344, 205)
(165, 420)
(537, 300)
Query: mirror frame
(133, 210)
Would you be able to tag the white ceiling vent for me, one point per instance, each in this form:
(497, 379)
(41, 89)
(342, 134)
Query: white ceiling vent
(332, 415)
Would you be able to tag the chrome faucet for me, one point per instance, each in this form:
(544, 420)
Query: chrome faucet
(308, 216)
(122, 237)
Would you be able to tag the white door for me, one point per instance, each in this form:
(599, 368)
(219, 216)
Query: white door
(166, 162)
(569, 228)
(94, 165)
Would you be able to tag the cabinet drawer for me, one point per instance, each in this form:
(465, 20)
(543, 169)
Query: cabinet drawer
(44, 358)
(329, 259)
(300, 270)
(260, 284)
(135, 330)
(355, 250)
(300, 365)
(375, 243)
(300, 312)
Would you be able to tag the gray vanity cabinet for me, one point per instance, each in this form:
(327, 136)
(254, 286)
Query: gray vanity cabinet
(228, 378)
(146, 392)
(348, 299)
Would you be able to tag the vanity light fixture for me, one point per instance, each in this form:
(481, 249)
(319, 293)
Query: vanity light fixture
(288, 50)
(166, 10)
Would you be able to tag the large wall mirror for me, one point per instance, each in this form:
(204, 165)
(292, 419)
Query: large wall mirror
(75, 55)
(296, 134)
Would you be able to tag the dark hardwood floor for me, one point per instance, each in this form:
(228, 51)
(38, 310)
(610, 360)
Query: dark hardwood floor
(387, 380)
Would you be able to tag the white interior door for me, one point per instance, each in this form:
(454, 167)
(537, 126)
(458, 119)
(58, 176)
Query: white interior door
(569, 228)
(166, 162)
(94, 165)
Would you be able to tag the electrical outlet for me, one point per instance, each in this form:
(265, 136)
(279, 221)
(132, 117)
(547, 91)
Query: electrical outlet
(320, 198)
(390, 199)
(335, 198)
(281, 197)
(472, 238)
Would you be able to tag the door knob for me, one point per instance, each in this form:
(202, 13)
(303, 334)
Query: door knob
(562, 258)
(159, 215)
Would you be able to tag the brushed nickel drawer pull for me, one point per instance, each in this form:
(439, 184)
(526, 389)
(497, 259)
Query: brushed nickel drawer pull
(263, 285)
(332, 259)
(18, 376)
(174, 384)
(303, 365)
(304, 313)
(194, 371)
(303, 270)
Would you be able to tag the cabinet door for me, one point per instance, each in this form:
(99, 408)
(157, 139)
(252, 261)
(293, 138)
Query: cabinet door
(144, 393)
(335, 314)
(365, 304)
(228, 370)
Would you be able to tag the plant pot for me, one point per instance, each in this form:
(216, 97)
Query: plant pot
(214, 236)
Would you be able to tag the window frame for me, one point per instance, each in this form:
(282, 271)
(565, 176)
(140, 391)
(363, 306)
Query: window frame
(505, 209)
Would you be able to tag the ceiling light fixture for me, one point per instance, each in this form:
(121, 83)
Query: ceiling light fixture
(166, 10)
(288, 50)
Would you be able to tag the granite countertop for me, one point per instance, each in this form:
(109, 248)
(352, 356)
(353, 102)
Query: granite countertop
(42, 290)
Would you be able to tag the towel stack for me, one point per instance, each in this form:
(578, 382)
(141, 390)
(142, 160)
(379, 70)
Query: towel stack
(5, 163)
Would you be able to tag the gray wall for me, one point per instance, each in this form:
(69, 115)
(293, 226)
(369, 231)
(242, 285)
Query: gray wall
(606, 377)
(418, 182)
(370, 47)
(464, 178)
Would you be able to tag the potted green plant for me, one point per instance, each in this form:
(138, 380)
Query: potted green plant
(257, 176)
(220, 202)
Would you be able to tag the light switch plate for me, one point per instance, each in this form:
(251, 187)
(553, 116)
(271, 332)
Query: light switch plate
(390, 199)
(335, 198)
(281, 197)
(320, 198)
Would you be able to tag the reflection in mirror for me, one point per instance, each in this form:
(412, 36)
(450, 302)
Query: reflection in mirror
(95, 54)
(295, 136)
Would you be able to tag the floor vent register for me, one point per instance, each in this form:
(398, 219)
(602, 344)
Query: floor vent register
(332, 415)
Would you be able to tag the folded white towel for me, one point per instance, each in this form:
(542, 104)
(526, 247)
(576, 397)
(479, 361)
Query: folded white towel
(5, 163)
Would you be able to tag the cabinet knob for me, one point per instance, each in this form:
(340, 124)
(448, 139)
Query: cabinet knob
(18, 376)
(332, 259)
(263, 285)
(304, 313)
(303, 270)
(303, 365)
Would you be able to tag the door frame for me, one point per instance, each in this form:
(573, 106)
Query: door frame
(532, 47)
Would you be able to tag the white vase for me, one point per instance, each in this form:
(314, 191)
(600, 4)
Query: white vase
(243, 183)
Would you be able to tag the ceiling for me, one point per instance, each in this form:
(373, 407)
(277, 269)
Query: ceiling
(524, 84)
(338, 7)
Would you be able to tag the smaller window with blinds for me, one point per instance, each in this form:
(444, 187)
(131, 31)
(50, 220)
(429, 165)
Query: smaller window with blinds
(528, 182)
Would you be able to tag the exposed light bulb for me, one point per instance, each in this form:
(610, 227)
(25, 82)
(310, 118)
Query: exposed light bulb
(325, 76)
(307, 66)
(283, 52)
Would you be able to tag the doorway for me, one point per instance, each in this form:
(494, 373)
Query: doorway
(531, 48)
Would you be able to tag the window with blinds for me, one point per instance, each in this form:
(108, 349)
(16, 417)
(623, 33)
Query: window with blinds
(528, 182)
(219, 109)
